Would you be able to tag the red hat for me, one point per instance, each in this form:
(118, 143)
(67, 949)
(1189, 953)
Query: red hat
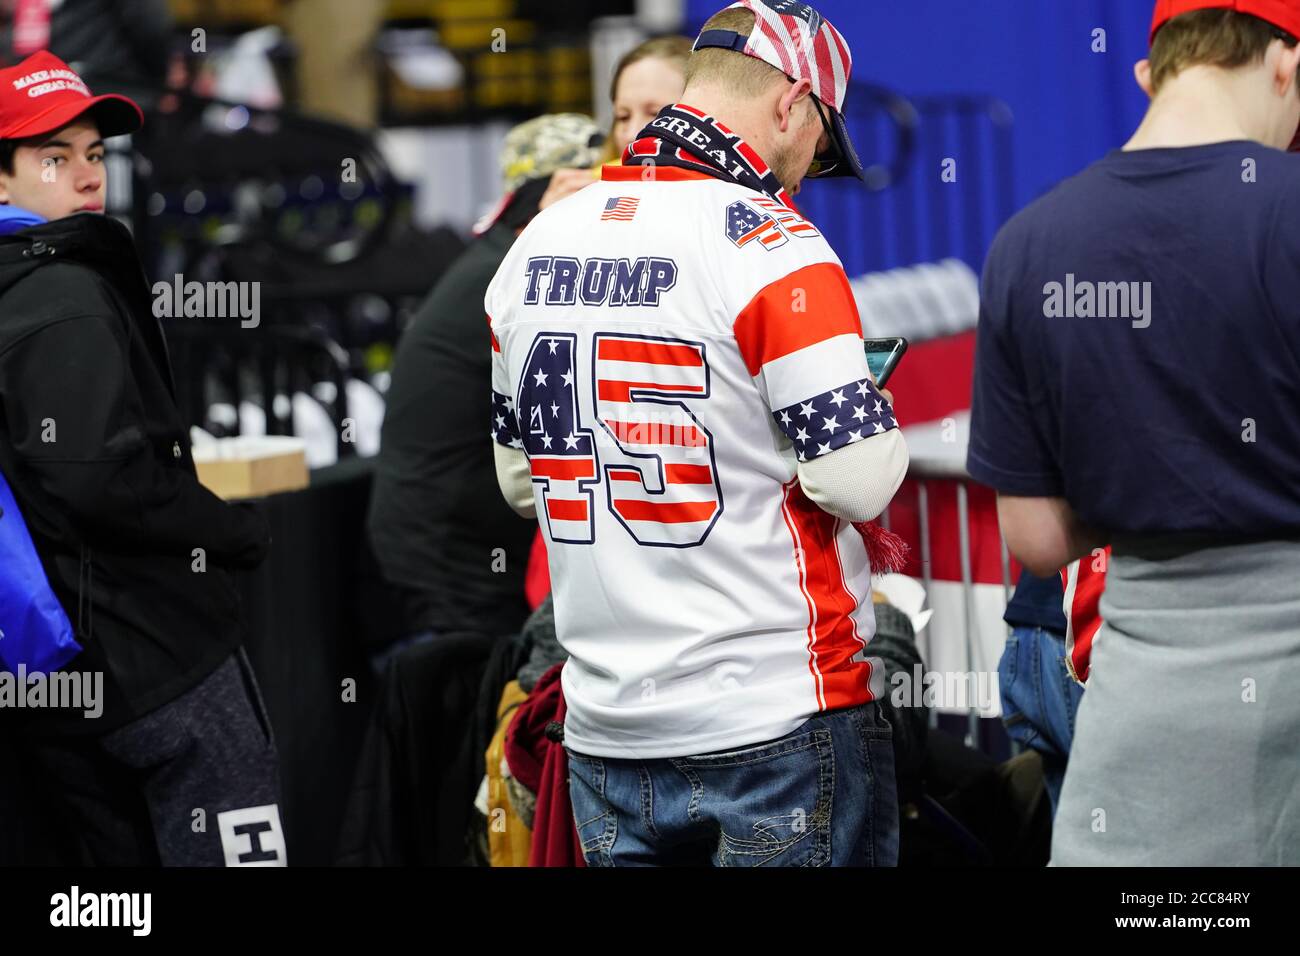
(41, 94)
(1283, 14)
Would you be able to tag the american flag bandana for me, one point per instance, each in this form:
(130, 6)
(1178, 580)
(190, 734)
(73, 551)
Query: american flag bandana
(683, 136)
(798, 41)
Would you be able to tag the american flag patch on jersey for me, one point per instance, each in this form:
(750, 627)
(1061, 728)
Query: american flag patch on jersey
(621, 208)
(745, 224)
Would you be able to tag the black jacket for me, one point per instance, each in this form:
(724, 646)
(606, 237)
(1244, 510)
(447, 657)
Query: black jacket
(438, 521)
(98, 457)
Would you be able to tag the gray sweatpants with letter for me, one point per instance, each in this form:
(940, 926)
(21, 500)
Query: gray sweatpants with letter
(193, 783)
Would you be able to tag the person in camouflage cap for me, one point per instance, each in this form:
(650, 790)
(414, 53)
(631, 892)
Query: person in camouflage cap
(536, 149)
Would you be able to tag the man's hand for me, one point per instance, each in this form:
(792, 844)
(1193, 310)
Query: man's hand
(565, 182)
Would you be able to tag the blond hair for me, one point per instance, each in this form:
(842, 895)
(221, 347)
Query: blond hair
(673, 50)
(747, 76)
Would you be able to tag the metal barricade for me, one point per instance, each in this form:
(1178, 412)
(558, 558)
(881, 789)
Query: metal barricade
(924, 471)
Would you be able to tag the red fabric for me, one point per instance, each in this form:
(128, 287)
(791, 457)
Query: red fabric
(541, 765)
(945, 543)
(886, 551)
(934, 379)
(764, 331)
(1084, 581)
(613, 173)
(537, 578)
(31, 26)
(1281, 13)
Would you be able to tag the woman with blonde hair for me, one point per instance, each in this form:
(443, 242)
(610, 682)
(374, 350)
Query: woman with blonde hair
(649, 77)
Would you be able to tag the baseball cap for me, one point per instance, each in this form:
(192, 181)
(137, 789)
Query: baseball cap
(1283, 14)
(538, 147)
(41, 94)
(801, 43)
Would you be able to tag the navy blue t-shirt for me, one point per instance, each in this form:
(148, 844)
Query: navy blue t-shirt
(1139, 344)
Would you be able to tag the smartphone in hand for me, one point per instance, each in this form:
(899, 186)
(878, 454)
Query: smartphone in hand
(883, 356)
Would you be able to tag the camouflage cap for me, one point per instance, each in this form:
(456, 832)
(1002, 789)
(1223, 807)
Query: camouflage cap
(540, 146)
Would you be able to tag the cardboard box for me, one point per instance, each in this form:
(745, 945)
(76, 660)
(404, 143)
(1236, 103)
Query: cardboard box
(250, 466)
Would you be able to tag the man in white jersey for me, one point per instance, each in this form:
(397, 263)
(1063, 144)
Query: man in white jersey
(681, 396)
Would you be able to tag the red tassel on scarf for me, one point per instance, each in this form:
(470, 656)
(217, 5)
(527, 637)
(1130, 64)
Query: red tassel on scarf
(886, 551)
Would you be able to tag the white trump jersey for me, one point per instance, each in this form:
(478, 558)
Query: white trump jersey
(665, 352)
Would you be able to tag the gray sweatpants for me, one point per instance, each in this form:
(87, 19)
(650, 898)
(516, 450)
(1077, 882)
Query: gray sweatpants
(193, 783)
(1187, 743)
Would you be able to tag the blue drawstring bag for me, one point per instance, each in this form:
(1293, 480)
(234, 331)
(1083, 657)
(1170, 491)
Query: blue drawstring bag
(34, 629)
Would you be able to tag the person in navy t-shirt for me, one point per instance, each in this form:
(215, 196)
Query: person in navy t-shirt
(1137, 384)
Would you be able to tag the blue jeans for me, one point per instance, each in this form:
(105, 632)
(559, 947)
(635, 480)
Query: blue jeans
(822, 795)
(1040, 699)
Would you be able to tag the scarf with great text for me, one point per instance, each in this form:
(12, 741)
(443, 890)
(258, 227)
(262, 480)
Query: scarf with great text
(685, 137)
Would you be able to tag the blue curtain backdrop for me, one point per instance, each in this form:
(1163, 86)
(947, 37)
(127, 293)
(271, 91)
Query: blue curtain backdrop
(1068, 107)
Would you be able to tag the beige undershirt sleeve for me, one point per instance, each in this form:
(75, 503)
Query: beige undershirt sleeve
(515, 479)
(857, 482)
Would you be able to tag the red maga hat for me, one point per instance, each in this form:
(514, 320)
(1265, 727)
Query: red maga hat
(1283, 14)
(41, 94)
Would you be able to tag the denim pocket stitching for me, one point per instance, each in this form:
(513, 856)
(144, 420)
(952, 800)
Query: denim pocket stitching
(818, 824)
(605, 839)
(596, 850)
(873, 776)
(697, 788)
(597, 785)
(757, 754)
(647, 807)
(869, 734)
(1011, 656)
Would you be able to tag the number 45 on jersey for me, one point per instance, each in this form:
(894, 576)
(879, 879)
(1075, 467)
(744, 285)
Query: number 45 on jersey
(635, 431)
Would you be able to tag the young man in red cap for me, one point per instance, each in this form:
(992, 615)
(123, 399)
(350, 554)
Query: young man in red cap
(1136, 385)
(682, 397)
(178, 766)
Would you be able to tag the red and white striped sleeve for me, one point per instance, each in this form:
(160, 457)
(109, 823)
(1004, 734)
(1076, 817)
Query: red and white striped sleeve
(801, 339)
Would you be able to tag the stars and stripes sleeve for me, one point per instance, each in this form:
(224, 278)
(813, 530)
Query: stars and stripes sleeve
(505, 423)
(801, 339)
